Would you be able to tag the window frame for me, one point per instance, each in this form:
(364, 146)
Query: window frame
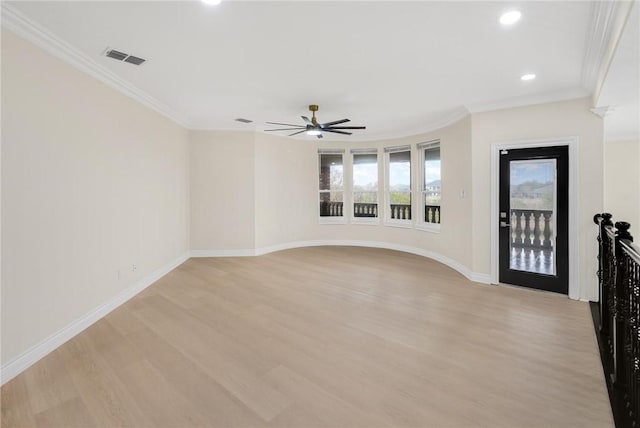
(364, 220)
(421, 224)
(388, 221)
(332, 219)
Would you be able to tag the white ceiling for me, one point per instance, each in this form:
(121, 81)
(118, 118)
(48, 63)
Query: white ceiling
(397, 67)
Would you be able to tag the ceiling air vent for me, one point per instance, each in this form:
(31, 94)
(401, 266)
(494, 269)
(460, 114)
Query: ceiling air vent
(134, 60)
(112, 53)
(243, 120)
(121, 56)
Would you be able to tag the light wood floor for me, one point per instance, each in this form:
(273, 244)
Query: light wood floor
(325, 336)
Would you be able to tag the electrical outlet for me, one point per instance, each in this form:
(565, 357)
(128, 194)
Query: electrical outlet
(134, 268)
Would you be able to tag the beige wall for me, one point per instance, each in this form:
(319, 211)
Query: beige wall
(285, 170)
(622, 182)
(92, 183)
(540, 122)
(222, 190)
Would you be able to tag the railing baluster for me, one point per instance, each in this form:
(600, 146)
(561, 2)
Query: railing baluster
(519, 241)
(528, 233)
(531, 228)
(547, 229)
(537, 237)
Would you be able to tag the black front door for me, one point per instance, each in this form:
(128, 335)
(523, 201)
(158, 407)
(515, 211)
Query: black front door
(534, 218)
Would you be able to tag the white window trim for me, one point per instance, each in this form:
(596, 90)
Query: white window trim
(420, 223)
(388, 221)
(344, 217)
(364, 220)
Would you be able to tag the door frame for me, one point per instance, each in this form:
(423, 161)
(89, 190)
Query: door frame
(574, 218)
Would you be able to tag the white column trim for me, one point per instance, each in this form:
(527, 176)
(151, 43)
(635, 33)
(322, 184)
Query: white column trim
(608, 19)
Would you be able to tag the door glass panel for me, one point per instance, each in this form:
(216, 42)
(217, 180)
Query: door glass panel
(533, 215)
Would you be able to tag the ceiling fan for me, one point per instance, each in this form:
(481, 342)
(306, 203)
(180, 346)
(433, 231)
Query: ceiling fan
(313, 127)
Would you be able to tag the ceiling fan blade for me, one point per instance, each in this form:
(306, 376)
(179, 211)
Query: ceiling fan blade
(336, 132)
(335, 122)
(285, 124)
(296, 133)
(285, 129)
(307, 120)
(347, 127)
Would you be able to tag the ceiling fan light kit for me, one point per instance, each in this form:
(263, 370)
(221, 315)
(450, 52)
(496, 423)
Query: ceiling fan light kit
(313, 127)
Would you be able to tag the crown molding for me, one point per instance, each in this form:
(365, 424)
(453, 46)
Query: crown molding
(443, 120)
(608, 19)
(603, 111)
(551, 97)
(26, 28)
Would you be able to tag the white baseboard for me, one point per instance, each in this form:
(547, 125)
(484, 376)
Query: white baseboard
(473, 276)
(25, 360)
(222, 253)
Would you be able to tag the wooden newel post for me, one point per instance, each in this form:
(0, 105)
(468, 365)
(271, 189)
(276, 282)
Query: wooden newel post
(621, 306)
(606, 293)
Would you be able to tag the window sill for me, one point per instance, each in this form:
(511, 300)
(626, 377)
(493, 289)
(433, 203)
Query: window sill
(404, 224)
(365, 220)
(426, 227)
(332, 220)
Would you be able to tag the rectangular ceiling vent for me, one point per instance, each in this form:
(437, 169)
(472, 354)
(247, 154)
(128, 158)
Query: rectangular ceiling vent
(243, 120)
(134, 60)
(121, 56)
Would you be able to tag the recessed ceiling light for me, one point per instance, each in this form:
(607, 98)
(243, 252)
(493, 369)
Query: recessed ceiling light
(211, 2)
(528, 76)
(510, 18)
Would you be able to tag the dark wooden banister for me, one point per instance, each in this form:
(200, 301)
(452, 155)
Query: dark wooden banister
(619, 309)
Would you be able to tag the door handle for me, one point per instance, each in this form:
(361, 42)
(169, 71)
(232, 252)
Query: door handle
(504, 224)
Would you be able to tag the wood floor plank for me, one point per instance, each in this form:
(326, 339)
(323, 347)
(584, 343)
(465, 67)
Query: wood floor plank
(67, 414)
(16, 404)
(49, 384)
(322, 337)
(210, 352)
(221, 408)
(107, 399)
